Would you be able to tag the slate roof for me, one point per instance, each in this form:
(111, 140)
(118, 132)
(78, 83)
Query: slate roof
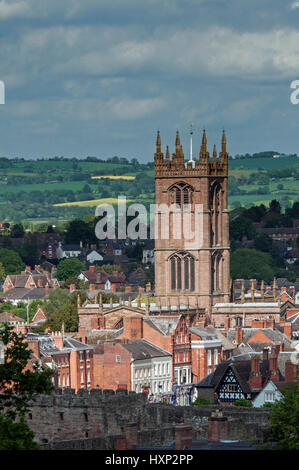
(143, 349)
(203, 333)
(275, 335)
(164, 325)
(47, 345)
(71, 247)
(24, 293)
(227, 345)
(6, 317)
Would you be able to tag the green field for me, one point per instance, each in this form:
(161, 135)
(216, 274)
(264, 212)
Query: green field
(66, 181)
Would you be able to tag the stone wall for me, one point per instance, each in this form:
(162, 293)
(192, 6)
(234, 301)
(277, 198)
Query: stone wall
(97, 417)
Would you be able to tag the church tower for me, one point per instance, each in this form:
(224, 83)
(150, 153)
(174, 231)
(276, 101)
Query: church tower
(192, 251)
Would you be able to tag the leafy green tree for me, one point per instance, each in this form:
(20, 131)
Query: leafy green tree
(17, 231)
(11, 261)
(200, 401)
(68, 268)
(240, 227)
(67, 314)
(19, 385)
(251, 264)
(2, 273)
(243, 402)
(284, 419)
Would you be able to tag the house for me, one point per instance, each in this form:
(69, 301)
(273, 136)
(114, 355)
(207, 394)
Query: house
(101, 280)
(137, 365)
(70, 359)
(245, 376)
(148, 252)
(25, 295)
(68, 251)
(269, 394)
(206, 352)
(92, 256)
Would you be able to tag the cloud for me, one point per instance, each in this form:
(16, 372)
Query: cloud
(10, 10)
(294, 5)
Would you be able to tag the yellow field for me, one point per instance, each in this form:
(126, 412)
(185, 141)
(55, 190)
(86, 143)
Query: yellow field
(94, 202)
(112, 177)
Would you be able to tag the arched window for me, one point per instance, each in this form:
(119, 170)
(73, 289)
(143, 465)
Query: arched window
(182, 272)
(180, 194)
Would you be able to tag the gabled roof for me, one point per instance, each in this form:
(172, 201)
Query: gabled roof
(143, 349)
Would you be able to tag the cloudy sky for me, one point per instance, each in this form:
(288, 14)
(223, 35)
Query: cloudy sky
(98, 77)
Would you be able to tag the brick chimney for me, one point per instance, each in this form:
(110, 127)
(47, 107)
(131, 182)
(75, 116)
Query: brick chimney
(217, 426)
(183, 436)
(133, 328)
(34, 346)
(47, 290)
(58, 339)
(37, 268)
(291, 372)
(265, 354)
(226, 323)
(238, 334)
(287, 329)
(39, 283)
(121, 443)
(92, 269)
(82, 334)
(273, 365)
(131, 435)
(255, 377)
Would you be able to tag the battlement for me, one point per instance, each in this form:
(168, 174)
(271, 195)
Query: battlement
(177, 166)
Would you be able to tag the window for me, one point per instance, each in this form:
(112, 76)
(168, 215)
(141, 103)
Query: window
(269, 396)
(117, 358)
(81, 373)
(88, 374)
(182, 272)
(81, 356)
(215, 357)
(87, 356)
(232, 387)
(181, 194)
(209, 357)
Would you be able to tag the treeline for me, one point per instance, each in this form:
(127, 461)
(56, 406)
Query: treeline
(265, 258)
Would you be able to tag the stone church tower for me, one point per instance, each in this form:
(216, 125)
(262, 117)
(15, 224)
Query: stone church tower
(192, 265)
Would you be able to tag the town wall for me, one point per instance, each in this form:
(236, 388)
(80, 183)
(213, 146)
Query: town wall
(98, 416)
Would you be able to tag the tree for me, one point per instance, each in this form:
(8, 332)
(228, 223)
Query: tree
(240, 227)
(284, 419)
(70, 267)
(19, 384)
(67, 314)
(251, 264)
(11, 261)
(243, 402)
(17, 231)
(200, 401)
(2, 273)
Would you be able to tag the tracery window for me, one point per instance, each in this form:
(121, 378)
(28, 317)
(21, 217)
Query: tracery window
(182, 272)
(181, 194)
